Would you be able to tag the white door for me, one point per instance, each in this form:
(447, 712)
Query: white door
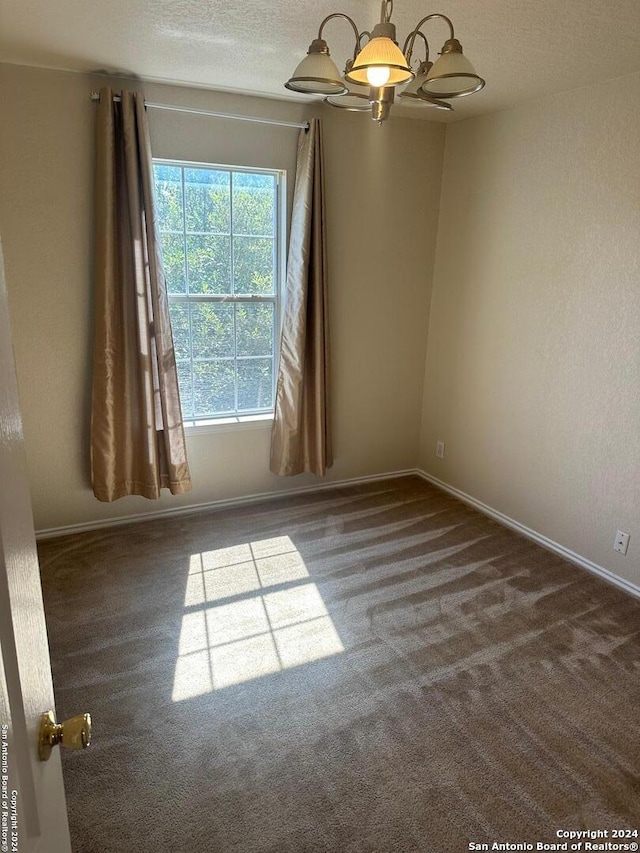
(33, 815)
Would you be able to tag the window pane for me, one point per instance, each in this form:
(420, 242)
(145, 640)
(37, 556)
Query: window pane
(184, 384)
(219, 229)
(168, 195)
(166, 172)
(207, 200)
(209, 264)
(254, 199)
(255, 384)
(253, 265)
(179, 313)
(254, 329)
(212, 328)
(173, 263)
(214, 391)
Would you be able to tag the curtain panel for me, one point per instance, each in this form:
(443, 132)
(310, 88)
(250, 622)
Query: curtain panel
(137, 435)
(301, 436)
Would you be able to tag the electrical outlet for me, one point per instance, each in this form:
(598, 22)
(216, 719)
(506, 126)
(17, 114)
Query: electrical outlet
(440, 449)
(621, 543)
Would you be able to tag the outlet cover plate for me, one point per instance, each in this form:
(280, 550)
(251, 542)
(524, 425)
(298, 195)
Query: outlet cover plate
(621, 543)
(440, 449)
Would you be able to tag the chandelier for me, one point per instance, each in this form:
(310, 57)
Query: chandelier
(378, 66)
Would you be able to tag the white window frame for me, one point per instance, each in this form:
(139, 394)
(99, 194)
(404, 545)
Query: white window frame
(262, 418)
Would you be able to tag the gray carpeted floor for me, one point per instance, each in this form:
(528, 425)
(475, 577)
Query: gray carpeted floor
(375, 669)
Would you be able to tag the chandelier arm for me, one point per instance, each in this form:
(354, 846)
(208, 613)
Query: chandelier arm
(408, 54)
(347, 18)
(358, 47)
(412, 36)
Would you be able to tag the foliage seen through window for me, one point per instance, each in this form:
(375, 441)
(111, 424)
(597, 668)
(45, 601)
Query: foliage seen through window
(219, 232)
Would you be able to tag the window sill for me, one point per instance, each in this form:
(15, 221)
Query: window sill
(229, 424)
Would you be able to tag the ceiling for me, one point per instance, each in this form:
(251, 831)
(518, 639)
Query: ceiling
(523, 49)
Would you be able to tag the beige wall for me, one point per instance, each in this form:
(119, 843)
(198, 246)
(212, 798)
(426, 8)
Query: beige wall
(382, 199)
(534, 355)
(533, 366)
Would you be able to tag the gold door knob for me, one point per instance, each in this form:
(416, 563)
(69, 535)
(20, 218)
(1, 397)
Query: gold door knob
(74, 733)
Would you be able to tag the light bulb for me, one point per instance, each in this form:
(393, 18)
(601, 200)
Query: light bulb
(377, 75)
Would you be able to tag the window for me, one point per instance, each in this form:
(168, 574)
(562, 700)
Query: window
(221, 230)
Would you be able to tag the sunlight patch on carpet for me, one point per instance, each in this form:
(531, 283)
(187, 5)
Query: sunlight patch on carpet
(252, 611)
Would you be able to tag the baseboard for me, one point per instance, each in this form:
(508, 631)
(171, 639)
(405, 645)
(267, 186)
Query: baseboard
(547, 543)
(261, 497)
(224, 503)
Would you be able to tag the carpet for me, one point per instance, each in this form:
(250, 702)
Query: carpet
(372, 669)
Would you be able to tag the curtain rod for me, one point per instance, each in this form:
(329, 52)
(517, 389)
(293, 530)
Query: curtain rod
(304, 125)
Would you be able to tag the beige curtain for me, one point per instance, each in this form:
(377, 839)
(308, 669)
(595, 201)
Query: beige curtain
(137, 437)
(301, 437)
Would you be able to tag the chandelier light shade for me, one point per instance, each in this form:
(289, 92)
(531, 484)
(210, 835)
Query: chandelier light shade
(317, 74)
(357, 99)
(412, 94)
(379, 65)
(381, 62)
(452, 76)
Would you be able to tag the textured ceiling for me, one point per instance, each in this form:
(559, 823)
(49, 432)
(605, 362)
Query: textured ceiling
(523, 49)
